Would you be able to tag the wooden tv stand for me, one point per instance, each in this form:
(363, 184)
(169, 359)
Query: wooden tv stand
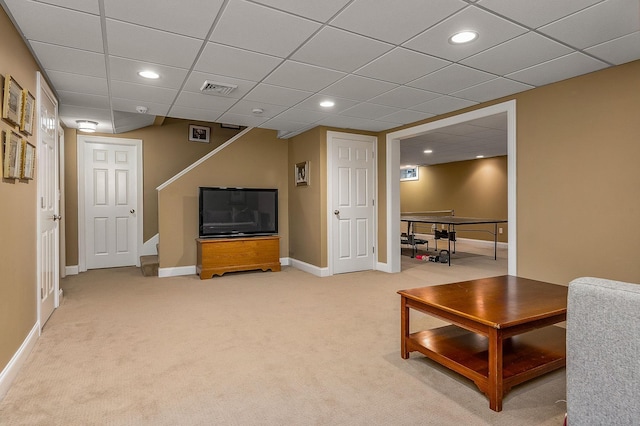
(219, 255)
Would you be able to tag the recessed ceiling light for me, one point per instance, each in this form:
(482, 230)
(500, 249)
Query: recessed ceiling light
(327, 104)
(87, 126)
(479, 156)
(428, 151)
(463, 37)
(149, 74)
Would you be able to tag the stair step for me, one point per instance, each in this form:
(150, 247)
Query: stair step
(149, 265)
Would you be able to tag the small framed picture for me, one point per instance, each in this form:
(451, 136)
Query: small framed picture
(12, 102)
(199, 133)
(28, 160)
(12, 156)
(409, 173)
(302, 173)
(28, 108)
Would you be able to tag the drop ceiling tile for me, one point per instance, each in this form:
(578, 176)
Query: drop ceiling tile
(401, 66)
(297, 75)
(536, 13)
(358, 88)
(518, 53)
(451, 79)
(78, 83)
(125, 121)
(141, 92)
(246, 108)
(313, 103)
(196, 81)
(83, 100)
(85, 33)
(241, 120)
(255, 27)
(70, 113)
(276, 95)
(492, 30)
(394, 24)
(493, 89)
(319, 11)
(188, 113)
(151, 45)
(89, 6)
(340, 50)
(443, 104)
(187, 17)
(234, 62)
(201, 101)
(619, 51)
(129, 105)
(285, 125)
(404, 97)
(66, 59)
(558, 69)
(372, 111)
(123, 69)
(300, 115)
(405, 116)
(585, 29)
(344, 122)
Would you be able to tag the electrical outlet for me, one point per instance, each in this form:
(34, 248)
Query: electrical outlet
(499, 230)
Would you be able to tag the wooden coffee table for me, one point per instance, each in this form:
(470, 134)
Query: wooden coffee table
(502, 333)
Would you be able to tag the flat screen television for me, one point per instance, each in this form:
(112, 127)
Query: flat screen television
(237, 212)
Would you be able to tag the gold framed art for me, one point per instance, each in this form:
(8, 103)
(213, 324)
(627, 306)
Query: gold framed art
(28, 109)
(12, 101)
(28, 160)
(12, 163)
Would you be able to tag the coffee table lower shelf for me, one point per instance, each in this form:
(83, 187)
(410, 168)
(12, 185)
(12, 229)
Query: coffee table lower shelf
(525, 356)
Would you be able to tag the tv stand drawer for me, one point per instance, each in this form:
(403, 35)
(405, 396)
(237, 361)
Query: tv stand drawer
(217, 256)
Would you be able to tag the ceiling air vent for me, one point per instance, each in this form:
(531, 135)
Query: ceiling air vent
(215, 88)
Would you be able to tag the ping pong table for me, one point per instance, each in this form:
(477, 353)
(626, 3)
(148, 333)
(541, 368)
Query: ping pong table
(451, 222)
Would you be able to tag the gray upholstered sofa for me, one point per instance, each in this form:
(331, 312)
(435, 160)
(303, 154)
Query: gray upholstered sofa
(603, 353)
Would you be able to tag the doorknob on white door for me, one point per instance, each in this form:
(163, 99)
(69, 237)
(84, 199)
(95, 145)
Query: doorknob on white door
(57, 217)
(336, 212)
(132, 211)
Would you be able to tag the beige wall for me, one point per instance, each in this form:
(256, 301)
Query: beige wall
(257, 160)
(578, 186)
(166, 151)
(475, 188)
(18, 281)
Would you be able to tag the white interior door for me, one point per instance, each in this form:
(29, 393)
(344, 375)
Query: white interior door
(352, 214)
(110, 204)
(48, 201)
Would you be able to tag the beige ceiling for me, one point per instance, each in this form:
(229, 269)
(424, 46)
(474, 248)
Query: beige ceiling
(384, 63)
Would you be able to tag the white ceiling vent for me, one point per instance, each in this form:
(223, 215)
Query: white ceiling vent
(215, 88)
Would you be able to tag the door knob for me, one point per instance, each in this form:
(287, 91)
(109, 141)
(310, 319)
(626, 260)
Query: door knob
(132, 211)
(57, 217)
(336, 212)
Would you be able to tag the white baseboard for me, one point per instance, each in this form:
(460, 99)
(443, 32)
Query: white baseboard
(8, 375)
(384, 267)
(311, 269)
(71, 270)
(177, 271)
(150, 247)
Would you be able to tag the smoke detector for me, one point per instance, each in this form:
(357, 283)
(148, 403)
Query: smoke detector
(142, 109)
(215, 88)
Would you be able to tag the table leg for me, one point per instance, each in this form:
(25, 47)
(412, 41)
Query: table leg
(495, 242)
(495, 389)
(404, 327)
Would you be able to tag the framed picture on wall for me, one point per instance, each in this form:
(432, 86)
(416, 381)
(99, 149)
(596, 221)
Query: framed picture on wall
(302, 173)
(12, 101)
(199, 133)
(12, 163)
(28, 108)
(28, 160)
(409, 173)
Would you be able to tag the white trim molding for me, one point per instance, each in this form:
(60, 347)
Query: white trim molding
(8, 375)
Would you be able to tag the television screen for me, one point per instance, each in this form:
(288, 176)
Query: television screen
(226, 212)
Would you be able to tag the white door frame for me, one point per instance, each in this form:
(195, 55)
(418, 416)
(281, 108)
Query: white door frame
(82, 140)
(393, 178)
(329, 200)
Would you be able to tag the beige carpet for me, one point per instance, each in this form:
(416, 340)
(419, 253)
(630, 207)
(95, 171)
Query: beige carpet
(256, 348)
